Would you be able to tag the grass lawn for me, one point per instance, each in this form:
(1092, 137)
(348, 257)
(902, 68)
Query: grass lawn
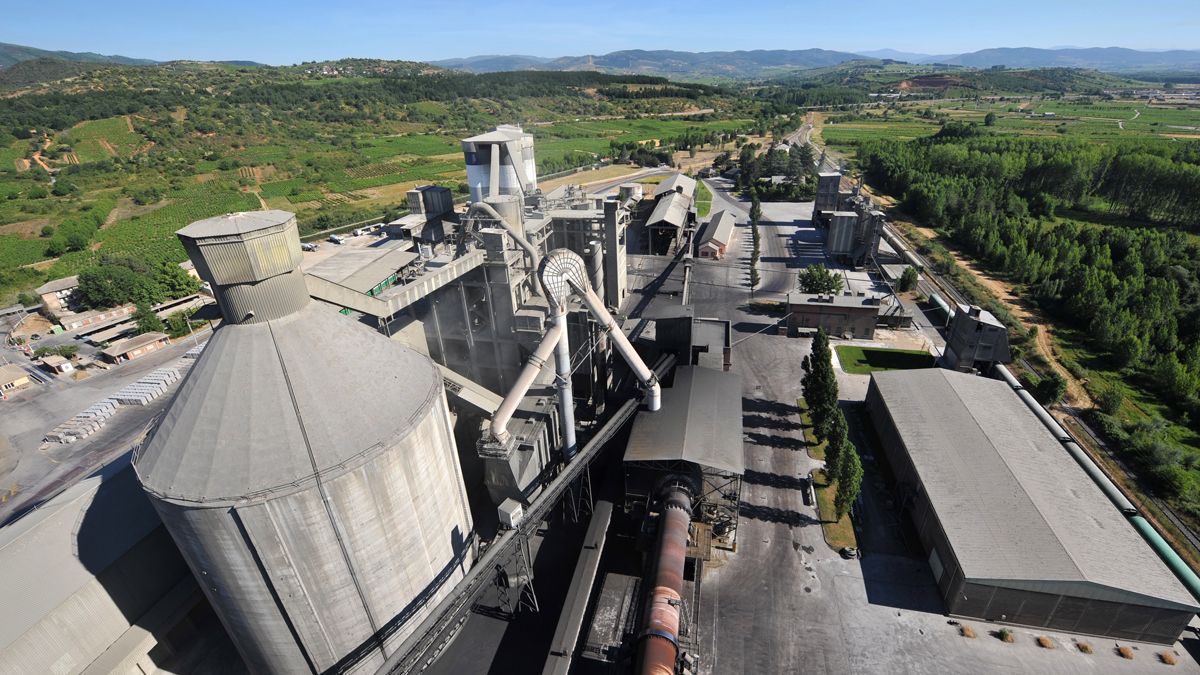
(839, 533)
(864, 360)
(703, 200)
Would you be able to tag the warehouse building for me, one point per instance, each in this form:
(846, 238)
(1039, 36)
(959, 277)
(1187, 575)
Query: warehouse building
(135, 347)
(1014, 530)
(56, 294)
(846, 315)
(718, 236)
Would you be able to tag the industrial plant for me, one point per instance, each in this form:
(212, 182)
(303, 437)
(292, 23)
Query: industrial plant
(511, 435)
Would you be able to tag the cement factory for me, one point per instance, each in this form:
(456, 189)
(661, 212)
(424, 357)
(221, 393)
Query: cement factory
(517, 435)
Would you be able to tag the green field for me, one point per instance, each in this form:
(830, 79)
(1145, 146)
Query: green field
(421, 145)
(1101, 121)
(866, 360)
(89, 139)
(853, 133)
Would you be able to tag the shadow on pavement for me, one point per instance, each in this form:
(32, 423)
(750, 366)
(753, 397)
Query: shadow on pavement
(772, 514)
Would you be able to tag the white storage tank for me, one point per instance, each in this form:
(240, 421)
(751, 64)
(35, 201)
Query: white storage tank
(306, 468)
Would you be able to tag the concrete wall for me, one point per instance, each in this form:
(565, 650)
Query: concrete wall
(314, 580)
(837, 321)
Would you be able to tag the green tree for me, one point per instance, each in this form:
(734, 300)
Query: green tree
(114, 284)
(1110, 400)
(817, 279)
(836, 445)
(27, 299)
(908, 280)
(849, 481)
(1050, 389)
(147, 320)
(989, 120)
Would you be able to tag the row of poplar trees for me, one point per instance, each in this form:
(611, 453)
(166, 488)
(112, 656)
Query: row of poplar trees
(842, 464)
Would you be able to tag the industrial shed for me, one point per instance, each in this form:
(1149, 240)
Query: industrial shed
(677, 183)
(367, 270)
(1014, 530)
(697, 434)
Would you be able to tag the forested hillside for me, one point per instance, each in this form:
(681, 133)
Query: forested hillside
(1102, 237)
(112, 161)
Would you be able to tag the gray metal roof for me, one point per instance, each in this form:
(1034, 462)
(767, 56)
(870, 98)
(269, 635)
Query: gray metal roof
(57, 285)
(672, 209)
(700, 421)
(501, 134)
(686, 183)
(364, 268)
(262, 394)
(1016, 508)
(129, 344)
(984, 316)
(719, 229)
(870, 301)
(235, 223)
(101, 516)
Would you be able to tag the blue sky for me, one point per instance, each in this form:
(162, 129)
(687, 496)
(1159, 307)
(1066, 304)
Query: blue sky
(276, 32)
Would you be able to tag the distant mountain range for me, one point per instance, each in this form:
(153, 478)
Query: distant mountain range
(11, 54)
(667, 63)
(764, 63)
(738, 65)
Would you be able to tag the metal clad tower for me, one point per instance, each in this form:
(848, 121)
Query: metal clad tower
(306, 468)
(500, 162)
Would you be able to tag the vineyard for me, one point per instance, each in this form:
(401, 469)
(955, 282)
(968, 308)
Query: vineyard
(152, 237)
(425, 145)
(101, 139)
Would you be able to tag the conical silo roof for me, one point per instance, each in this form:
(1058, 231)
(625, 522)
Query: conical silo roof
(269, 406)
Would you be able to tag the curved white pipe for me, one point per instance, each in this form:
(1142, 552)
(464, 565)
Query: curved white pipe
(508, 406)
(535, 259)
(643, 373)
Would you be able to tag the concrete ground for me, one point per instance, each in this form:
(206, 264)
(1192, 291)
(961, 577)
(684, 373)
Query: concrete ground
(42, 469)
(785, 602)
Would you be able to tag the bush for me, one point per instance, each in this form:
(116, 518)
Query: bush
(1167, 658)
(1005, 635)
(966, 631)
(1085, 647)
(65, 351)
(1125, 652)
(1110, 400)
(47, 231)
(1045, 642)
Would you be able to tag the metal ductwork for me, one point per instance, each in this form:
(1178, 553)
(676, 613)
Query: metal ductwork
(563, 271)
(659, 637)
(537, 360)
(535, 259)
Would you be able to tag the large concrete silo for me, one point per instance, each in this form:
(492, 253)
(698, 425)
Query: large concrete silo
(306, 468)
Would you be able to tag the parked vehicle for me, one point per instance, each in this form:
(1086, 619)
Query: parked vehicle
(337, 239)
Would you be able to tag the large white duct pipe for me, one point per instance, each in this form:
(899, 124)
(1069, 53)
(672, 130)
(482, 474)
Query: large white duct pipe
(525, 380)
(643, 373)
(564, 272)
(566, 397)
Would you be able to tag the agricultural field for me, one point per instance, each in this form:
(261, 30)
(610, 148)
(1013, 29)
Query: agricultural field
(849, 134)
(9, 154)
(1100, 121)
(102, 139)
